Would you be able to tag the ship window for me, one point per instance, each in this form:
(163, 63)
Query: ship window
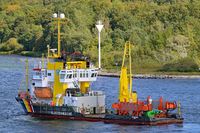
(81, 75)
(84, 74)
(49, 74)
(70, 76)
(94, 75)
(43, 73)
(62, 76)
(37, 73)
(75, 75)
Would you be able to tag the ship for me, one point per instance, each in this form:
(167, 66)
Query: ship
(61, 89)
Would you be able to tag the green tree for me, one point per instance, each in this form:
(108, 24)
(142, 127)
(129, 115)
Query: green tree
(11, 45)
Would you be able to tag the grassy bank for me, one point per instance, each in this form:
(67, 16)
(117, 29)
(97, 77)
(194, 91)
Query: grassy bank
(30, 54)
(23, 53)
(184, 66)
(5, 53)
(150, 71)
(138, 69)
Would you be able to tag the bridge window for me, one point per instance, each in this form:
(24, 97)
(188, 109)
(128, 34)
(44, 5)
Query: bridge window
(81, 75)
(69, 76)
(94, 75)
(62, 76)
(87, 74)
(37, 73)
(75, 74)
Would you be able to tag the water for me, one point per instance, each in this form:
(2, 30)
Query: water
(13, 119)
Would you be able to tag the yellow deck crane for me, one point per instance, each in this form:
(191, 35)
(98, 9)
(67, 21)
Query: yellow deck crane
(125, 85)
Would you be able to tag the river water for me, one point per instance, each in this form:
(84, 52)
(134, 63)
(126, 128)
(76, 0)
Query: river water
(13, 119)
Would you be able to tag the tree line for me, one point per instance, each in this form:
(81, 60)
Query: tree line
(161, 31)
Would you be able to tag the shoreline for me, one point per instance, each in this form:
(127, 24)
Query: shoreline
(136, 76)
(151, 76)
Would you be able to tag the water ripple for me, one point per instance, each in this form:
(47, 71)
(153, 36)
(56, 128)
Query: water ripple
(13, 119)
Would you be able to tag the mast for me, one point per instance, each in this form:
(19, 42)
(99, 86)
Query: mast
(58, 22)
(42, 61)
(48, 51)
(58, 17)
(27, 90)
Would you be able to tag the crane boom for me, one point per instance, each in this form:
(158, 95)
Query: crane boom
(125, 87)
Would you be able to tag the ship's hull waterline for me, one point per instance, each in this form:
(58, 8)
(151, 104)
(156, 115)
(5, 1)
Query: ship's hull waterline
(106, 118)
(153, 122)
